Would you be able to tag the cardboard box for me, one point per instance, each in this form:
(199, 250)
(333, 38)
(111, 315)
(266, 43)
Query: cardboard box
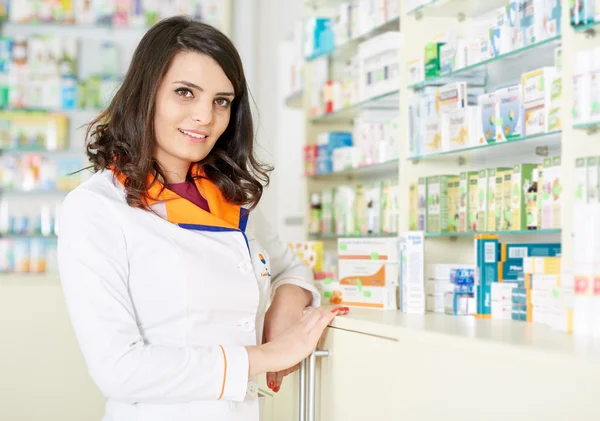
(486, 272)
(412, 278)
(473, 202)
(413, 207)
(422, 210)
(482, 198)
(522, 180)
(487, 109)
(506, 224)
(432, 135)
(508, 113)
(380, 249)
(437, 204)
(460, 128)
(453, 203)
(581, 183)
(432, 59)
(464, 204)
(510, 265)
(366, 283)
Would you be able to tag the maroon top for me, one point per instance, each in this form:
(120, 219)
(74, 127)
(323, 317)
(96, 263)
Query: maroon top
(189, 191)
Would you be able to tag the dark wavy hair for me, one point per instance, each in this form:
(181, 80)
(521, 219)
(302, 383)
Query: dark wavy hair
(123, 136)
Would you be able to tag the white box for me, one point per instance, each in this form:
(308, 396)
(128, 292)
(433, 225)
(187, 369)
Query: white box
(438, 287)
(412, 282)
(366, 283)
(375, 249)
(441, 272)
(460, 128)
(416, 71)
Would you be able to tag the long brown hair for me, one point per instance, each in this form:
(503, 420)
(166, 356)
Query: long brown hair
(123, 135)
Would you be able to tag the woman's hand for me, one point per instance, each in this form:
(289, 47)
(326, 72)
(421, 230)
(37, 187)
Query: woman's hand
(294, 344)
(278, 319)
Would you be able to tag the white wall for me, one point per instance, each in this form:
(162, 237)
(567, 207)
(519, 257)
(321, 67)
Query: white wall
(280, 129)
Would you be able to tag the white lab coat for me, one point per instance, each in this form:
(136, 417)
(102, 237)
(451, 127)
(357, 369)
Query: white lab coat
(163, 313)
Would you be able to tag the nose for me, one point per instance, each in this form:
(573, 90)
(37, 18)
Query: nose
(203, 112)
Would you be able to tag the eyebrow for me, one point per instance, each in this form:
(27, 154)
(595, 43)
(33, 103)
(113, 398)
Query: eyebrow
(194, 86)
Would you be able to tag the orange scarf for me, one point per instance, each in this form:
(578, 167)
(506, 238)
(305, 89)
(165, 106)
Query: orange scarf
(223, 216)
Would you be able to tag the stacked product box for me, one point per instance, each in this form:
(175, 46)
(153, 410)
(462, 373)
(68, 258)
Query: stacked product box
(543, 280)
(368, 272)
(461, 300)
(412, 276)
(327, 143)
(438, 283)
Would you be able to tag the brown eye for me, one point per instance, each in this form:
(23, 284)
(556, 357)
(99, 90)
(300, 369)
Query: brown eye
(184, 92)
(222, 102)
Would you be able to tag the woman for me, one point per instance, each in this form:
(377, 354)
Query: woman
(167, 269)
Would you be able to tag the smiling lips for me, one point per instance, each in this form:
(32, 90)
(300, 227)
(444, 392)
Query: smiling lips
(194, 135)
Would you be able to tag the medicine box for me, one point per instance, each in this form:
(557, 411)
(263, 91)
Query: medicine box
(464, 201)
(506, 224)
(442, 271)
(508, 113)
(453, 199)
(486, 272)
(460, 128)
(422, 204)
(542, 265)
(416, 71)
(432, 135)
(473, 208)
(551, 193)
(487, 109)
(366, 283)
(412, 278)
(510, 266)
(310, 252)
(413, 207)
(380, 249)
(437, 203)
(581, 183)
(522, 180)
(432, 59)
(482, 198)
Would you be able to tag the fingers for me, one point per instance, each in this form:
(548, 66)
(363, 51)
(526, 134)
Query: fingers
(271, 380)
(278, 379)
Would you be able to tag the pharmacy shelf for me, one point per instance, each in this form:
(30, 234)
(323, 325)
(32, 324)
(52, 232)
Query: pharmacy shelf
(29, 279)
(337, 236)
(590, 28)
(347, 50)
(500, 233)
(591, 128)
(460, 8)
(387, 101)
(524, 146)
(294, 100)
(57, 110)
(29, 236)
(33, 192)
(20, 151)
(547, 44)
(383, 169)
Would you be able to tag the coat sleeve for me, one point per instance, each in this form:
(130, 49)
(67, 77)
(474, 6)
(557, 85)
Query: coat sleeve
(286, 266)
(94, 271)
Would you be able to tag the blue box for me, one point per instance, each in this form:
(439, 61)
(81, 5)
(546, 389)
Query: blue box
(319, 38)
(510, 266)
(486, 271)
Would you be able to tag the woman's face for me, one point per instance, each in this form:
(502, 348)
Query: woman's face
(193, 106)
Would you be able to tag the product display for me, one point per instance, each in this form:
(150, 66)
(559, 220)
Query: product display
(122, 13)
(348, 211)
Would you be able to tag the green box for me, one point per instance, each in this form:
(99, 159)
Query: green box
(464, 201)
(473, 201)
(437, 204)
(453, 199)
(432, 59)
(522, 180)
(506, 221)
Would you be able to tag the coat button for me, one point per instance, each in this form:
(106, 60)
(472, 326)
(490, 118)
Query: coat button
(247, 325)
(246, 267)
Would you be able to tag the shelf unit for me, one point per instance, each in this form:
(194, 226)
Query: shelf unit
(421, 23)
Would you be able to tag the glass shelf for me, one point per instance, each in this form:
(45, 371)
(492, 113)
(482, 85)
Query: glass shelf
(449, 8)
(387, 101)
(346, 50)
(589, 27)
(472, 234)
(550, 43)
(524, 146)
(75, 25)
(336, 236)
(591, 128)
(30, 236)
(294, 100)
(47, 110)
(383, 168)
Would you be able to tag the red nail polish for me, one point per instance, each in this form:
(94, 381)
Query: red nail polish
(335, 310)
(271, 384)
(276, 389)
